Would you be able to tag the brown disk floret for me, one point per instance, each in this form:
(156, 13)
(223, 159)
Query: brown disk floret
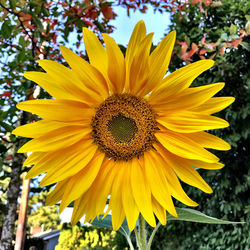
(124, 127)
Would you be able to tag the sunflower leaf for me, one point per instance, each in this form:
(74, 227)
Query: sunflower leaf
(187, 214)
(107, 223)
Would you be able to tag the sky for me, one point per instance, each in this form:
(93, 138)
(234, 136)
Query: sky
(155, 22)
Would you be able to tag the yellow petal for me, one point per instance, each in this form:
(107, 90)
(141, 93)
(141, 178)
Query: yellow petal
(207, 140)
(96, 52)
(116, 65)
(70, 166)
(159, 211)
(118, 214)
(141, 192)
(190, 122)
(80, 183)
(158, 182)
(66, 77)
(173, 183)
(137, 36)
(129, 205)
(58, 110)
(37, 129)
(187, 174)
(189, 98)
(205, 165)
(57, 139)
(179, 80)
(54, 88)
(185, 171)
(139, 70)
(89, 76)
(79, 209)
(182, 146)
(214, 105)
(33, 158)
(57, 193)
(159, 61)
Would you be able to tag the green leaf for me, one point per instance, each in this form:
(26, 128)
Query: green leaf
(187, 214)
(6, 126)
(22, 41)
(107, 223)
(233, 29)
(13, 4)
(6, 29)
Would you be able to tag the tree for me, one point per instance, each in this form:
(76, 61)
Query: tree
(220, 31)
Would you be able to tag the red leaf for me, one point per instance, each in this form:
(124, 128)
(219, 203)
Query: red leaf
(6, 93)
(8, 158)
(107, 12)
(236, 42)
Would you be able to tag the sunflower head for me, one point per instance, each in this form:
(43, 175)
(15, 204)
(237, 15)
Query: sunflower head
(119, 127)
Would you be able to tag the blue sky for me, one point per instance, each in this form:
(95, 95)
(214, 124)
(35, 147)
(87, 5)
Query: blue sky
(155, 22)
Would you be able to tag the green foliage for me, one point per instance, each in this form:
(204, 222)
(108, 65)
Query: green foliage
(230, 199)
(41, 215)
(85, 237)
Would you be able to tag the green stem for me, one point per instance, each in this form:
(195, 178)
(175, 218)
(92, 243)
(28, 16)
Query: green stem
(142, 232)
(130, 243)
(137, 238)
(152, 235)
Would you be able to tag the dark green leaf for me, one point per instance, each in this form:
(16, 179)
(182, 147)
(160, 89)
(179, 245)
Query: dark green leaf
(107, 223)
(187, 214)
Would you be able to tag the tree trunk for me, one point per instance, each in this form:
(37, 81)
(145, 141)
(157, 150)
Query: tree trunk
(12, 196)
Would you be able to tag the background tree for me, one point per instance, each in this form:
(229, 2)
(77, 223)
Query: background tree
(30, 30)
(220, 31)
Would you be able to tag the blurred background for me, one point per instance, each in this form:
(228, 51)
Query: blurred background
(34, 29)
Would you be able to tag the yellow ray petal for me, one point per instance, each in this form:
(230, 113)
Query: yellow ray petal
(159, 61)
(189, 98)
(69, 81)
(69, 166)
(37, 129)
(101, 187)
(58, 110)
(139, 70)
(158, 182)
(116, 65)
(96, 52)
(137, 36)
(129, 205)
(187, 174)
(190, 122)
(141, 192)
(173, 183)
(207, 140)
(118, 214)
(159, 211)
(185, 171)
(182, 146)
(53, 87)
(57, 193)
(179, 80)
(33, 158)
(79, 209)
(214, 105)
(89, 76)
(80, 183)
(58, 159)
(205, 165)
(57, 139)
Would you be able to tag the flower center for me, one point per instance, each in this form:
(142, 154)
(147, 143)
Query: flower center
(123, 129)
(124, 126)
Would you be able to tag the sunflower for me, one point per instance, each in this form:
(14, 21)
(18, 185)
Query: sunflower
(119, 129)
